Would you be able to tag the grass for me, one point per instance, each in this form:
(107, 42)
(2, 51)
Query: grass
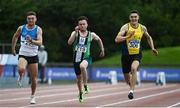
(167, 56)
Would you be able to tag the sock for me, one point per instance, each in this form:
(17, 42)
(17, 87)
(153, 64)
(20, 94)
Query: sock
(131, 91)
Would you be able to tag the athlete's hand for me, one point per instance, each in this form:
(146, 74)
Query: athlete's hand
(76, 28)
(155, 52)
(130, 34)
(14, 52)
(28, 39)
(102, 53)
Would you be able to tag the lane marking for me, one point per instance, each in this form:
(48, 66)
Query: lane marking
(59, 94)
(98, 96)
(174, 105)
(144, 97)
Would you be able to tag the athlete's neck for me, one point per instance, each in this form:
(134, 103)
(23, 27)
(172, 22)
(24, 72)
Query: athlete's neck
(134, 25)
(30, 26)
(83, 32)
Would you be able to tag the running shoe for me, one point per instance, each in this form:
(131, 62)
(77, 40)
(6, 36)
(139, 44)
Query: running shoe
(19, 82)
(130, 95)
(81, 97)
(33, 100)
(86, 89)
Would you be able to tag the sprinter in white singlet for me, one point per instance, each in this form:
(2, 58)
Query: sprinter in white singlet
(31, 38)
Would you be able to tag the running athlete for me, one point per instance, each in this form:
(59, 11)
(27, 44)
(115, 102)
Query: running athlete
(81, 39)
(31, 38)
(130, 36)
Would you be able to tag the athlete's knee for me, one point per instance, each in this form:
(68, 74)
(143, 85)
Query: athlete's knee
(82, 67)
(33, 80)
(79, 79)
(133, 70)
(21, 70)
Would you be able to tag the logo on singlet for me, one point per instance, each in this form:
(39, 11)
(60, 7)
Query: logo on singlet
(133, 43)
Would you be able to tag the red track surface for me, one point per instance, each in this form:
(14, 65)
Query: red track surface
(101, 95)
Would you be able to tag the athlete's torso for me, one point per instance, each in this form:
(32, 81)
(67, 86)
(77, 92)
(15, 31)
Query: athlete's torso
(81, 47)
(132, 45)
(28, 49)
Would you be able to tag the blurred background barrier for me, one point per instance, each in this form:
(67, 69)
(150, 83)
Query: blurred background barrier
(65, 72)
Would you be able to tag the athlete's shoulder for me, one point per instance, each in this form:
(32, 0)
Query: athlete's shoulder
(19, 29)
(143, 27)
(21, 26)
(38, 27)
(93, 34)
(73, 32)
(125, 27)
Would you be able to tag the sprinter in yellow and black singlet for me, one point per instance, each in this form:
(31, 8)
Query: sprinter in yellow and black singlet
(130, 36)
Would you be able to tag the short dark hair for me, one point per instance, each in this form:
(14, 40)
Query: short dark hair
(31, 13)
(82, 18)
(134, 11)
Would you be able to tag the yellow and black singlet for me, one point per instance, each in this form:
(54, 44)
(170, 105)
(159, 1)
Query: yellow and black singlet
(132, 45)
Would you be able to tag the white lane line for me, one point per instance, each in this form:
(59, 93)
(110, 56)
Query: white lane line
(98, 96)
(144, 97)
(107, 87)
(60, 94)
(174, 105)
(55, 88)
(50, 89)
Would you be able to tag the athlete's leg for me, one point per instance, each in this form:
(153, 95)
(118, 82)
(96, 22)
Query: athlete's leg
(33, 69)
(79, 83)
(22, 63)
(134, 68)
(127, 78)
(83, 68)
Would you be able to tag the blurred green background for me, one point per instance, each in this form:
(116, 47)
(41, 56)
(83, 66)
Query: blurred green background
(58, 19)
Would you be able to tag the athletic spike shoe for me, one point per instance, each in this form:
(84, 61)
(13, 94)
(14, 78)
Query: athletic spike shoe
(33, 101)
(19, 83)
(130, 95)
(86, 89)
(81, 97)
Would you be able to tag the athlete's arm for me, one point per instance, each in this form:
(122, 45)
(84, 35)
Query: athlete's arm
(100, 43)
(120, 37)
(14, 40)
(150, 41)
(38, 41)
(72, 38)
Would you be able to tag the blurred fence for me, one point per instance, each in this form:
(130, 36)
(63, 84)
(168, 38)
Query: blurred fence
(5, 48)
(65, 71)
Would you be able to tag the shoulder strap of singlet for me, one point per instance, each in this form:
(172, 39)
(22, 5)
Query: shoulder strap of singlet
(87, 37)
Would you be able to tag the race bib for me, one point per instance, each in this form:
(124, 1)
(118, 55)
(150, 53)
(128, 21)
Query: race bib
(81, 48)
(133, 44)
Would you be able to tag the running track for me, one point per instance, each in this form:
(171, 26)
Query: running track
(101, 95)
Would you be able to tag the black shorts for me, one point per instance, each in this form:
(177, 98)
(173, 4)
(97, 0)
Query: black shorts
(77, 66)
(127, 60)
(30, 60)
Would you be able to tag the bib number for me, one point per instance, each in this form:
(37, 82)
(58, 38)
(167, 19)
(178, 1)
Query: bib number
(81, 48)
(133, 44)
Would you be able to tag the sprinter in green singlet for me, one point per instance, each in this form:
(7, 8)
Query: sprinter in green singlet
(81, 39)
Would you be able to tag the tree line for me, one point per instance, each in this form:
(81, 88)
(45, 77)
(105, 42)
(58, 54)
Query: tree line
(58, 19)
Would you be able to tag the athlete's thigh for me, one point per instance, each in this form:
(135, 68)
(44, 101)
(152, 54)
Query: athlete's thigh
(33, 69)
(22, 63)
(135, 64)
(84, 63)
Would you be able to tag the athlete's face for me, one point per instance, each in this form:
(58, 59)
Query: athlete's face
(31, 20)
(82, 25)
(134, 17)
